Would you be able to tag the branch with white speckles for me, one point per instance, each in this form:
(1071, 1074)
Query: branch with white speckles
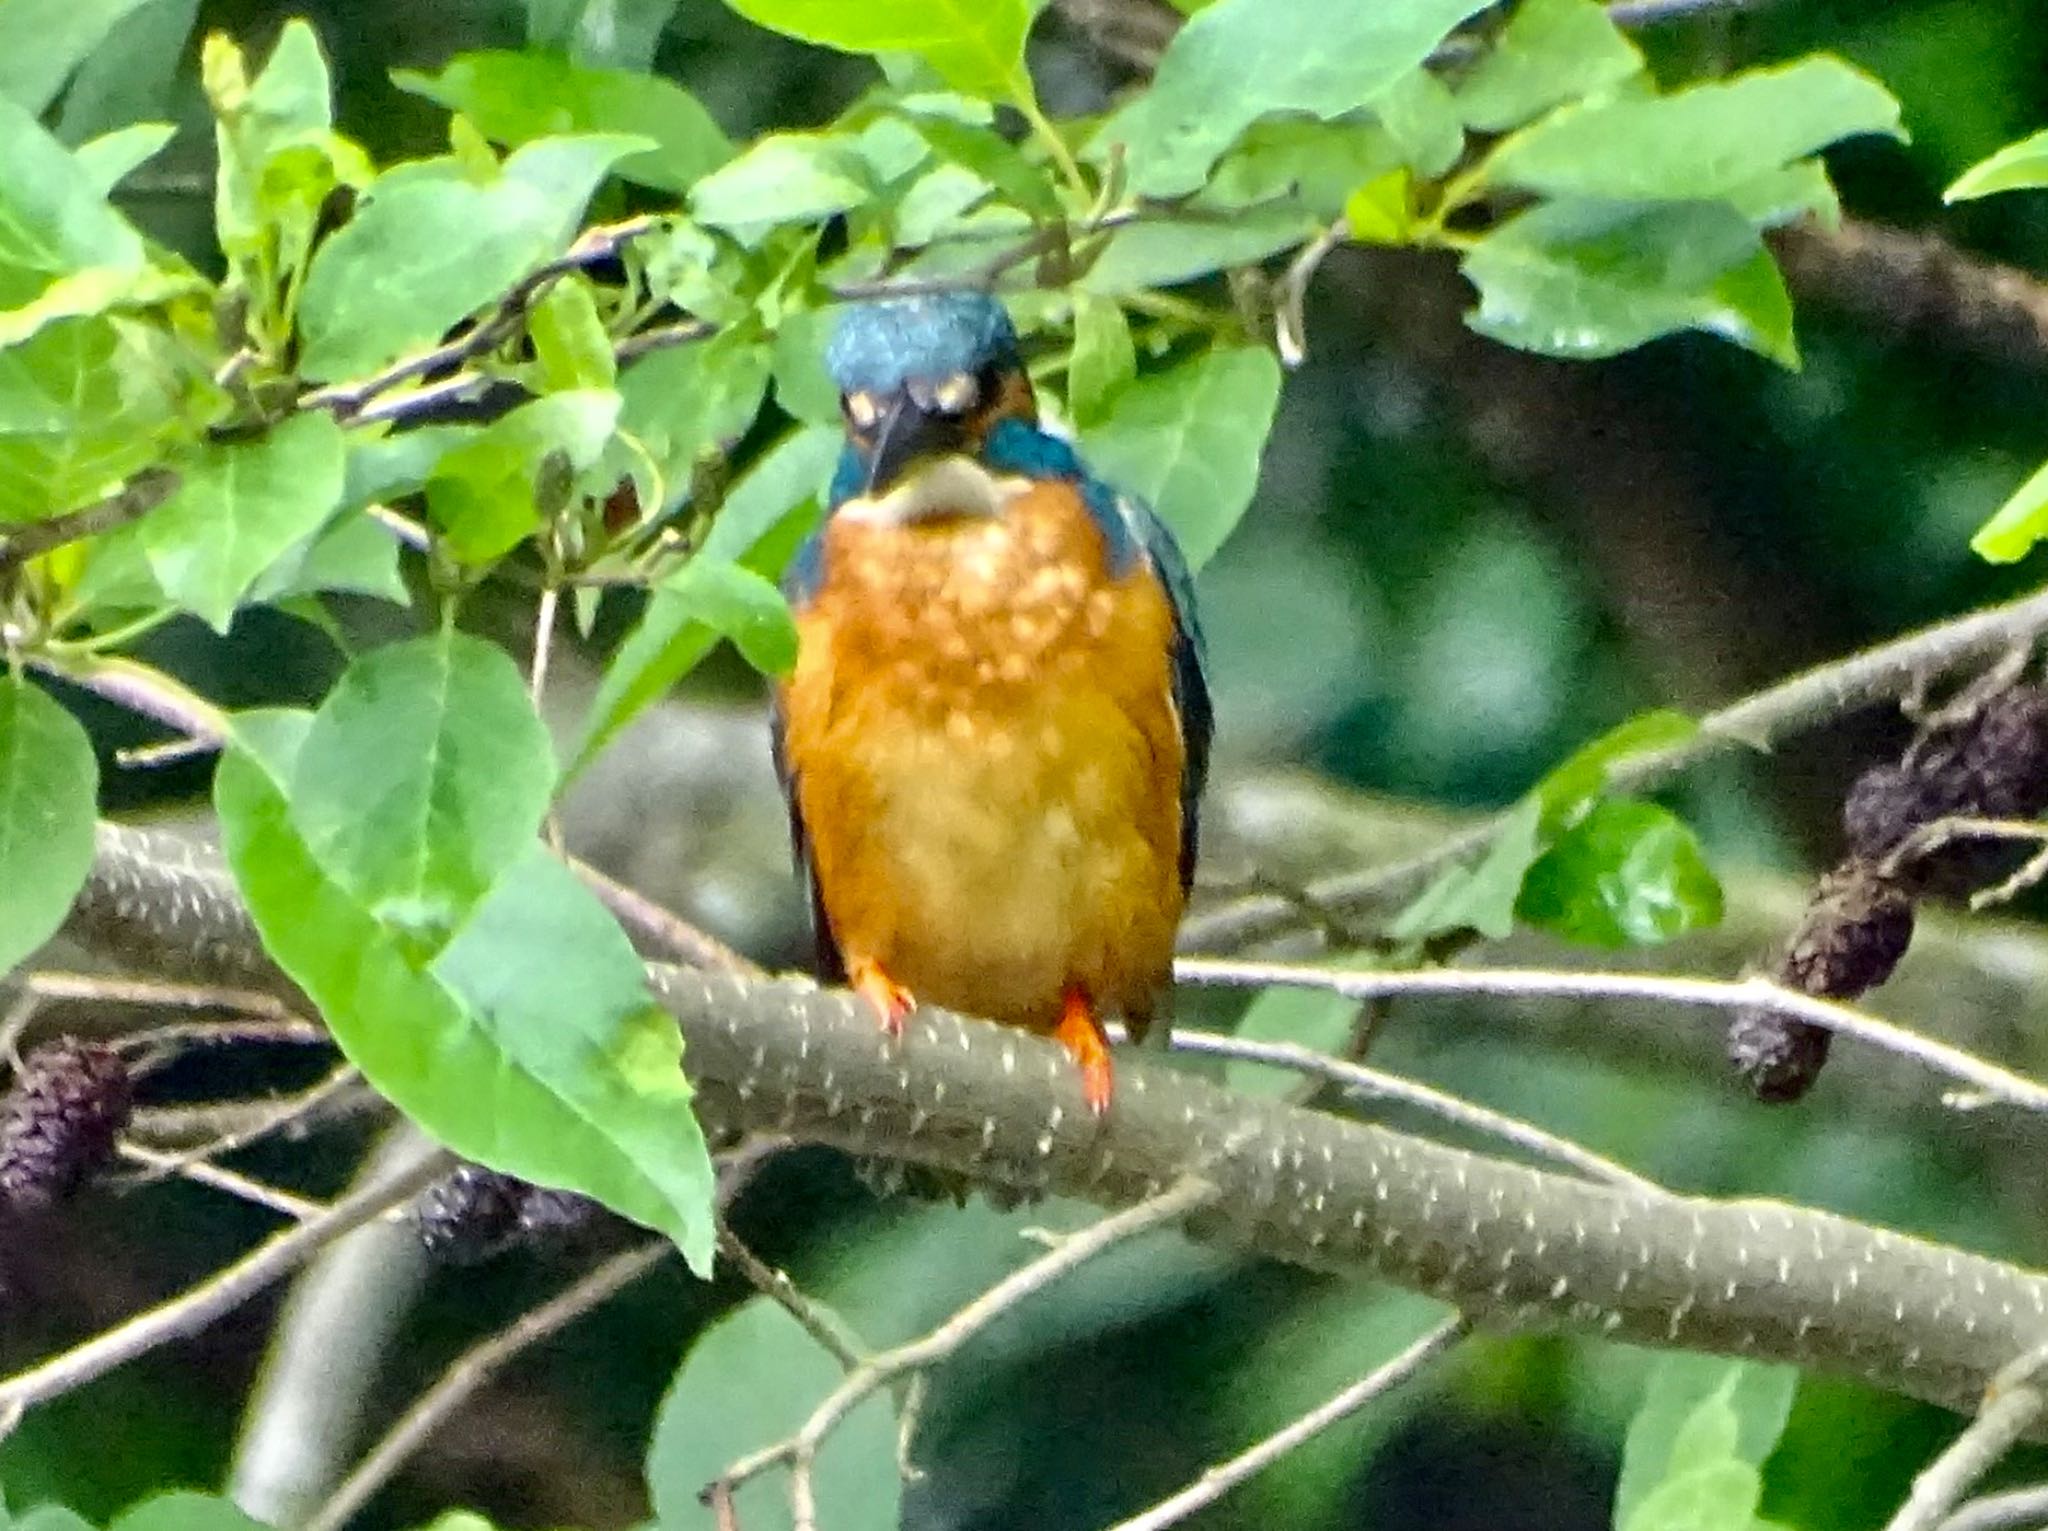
(1511, 1246)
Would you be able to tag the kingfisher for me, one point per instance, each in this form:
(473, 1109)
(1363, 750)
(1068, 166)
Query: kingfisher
(994, 740)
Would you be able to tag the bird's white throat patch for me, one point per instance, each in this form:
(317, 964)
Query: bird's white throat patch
(950, 486)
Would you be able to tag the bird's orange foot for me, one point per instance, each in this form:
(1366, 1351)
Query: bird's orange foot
(890, 1001)
(1080, 1033)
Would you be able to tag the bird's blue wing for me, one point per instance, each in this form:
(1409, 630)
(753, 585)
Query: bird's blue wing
(799, 584)
(1189, 660)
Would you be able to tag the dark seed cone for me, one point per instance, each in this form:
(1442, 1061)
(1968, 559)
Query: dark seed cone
(1779, 1057)
(469, 1214)
(1992, 764)
(1855, 931)
(58, 1124)
(474, 1214)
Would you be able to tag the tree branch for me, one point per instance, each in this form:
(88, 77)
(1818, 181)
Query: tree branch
(1792, 706)
(1511, 1246)
(131, 502)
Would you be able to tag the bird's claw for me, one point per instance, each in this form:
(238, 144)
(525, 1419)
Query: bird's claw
(890, 1001)
(1080, 1033)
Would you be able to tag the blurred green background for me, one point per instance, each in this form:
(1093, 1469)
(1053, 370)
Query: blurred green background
(1462, 562)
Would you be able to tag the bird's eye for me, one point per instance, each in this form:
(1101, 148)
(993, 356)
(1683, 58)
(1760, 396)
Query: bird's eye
(957, 394)
(862, 410)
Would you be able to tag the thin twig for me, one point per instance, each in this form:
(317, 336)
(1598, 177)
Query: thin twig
(207, 1125)
(131, 502)
(1375, 1084)
(2020, 1509)
(1290, 323)
(163, 1166)
(1693, 993)
(470, 1371)
(2011, 1404)
(219, 1294)
(817, 1320)
(1225, 1476)
(600, 243)
(798, 1452)
(280, 1116)
(1759, 721)
(661, 933)
(114, 989)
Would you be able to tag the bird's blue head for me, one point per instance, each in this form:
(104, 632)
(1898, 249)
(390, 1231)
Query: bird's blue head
(923, 378)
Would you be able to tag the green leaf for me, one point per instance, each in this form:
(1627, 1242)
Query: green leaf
(994, 159)
(241, 507)
(1700, 143)
(689, 401)
(1382, 212)
(514, 98)
(793, 471)
(424, 251)
(43, 41)
(771, 509)
(386, 467)
(526, 1044)
(1721, 1496)
(483, 494)
(686, 616)
(2021, 166)
(83, 405)
(424, 775)
(1699, 1414)
(1583, 775)
(63, 250)
(803, 388)
(1316, 164)
(569, 339)
(750, 1380)
(1420, 115)
(1628, 874)
(619, 33)
(287, 108)
(552, 979)
(1590, 279)
(784, 178)
(1187, 441)
(131, 74)
(2017, 525)
(1239, 60)
(185, 1511)
(112, 157)
(1314, 1018)
(353, 556)
(976, 46)
(1160, 254)
(1480, 897)
(1551, 52)
(1103, 360)
(48, 784)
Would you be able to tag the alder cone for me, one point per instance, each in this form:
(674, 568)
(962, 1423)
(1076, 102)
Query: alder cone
(473, 1214)
(59, 1123)
(1856, 929)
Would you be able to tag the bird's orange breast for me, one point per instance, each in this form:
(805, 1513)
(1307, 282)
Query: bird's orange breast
(987, 760)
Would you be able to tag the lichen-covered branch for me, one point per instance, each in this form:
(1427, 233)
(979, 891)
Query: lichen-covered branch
(1509, 1245)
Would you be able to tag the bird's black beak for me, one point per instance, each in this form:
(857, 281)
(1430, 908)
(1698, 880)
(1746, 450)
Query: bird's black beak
(909, 433)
